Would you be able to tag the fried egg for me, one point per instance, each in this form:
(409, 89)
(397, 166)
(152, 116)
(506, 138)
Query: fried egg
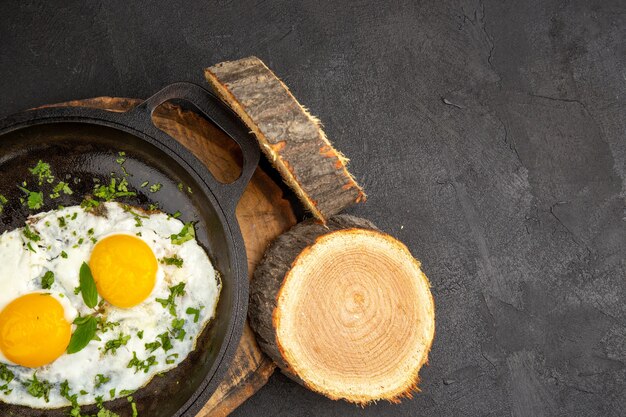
(156, 291)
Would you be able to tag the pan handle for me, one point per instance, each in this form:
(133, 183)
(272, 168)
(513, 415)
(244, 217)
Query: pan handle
(224, 118)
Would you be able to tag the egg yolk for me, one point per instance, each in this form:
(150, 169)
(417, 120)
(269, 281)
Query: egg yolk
(124, 269)
(33, 330)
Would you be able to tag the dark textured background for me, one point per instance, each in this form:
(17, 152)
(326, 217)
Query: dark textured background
(490, 136)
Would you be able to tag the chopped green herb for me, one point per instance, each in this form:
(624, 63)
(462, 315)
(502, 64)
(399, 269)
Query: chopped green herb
(74, 216)
(142, 365)
(133, 406)
(72, 398)
(152, 346)
(62, 222)
(115, 344)
(136, 216)
(103, 412)
(29, 234)
(155, 187)
(30, 247)
(37, 388)
(104, 325)
(89, 203)
(166, 343)
(174, 260)
(180, 186)
(112, 392)
(153, 207)
(88, 286)
(171, 358)
(177, 329)
(90, 232)
(47, 280)
(177, 214)
(3, 202)
(63, 254)
(140, 334)
(101, 380)
(83, 392)
(125, 392)
(81, 241)
(187, 233)
(43, 172)
(144, 184)
(34, 199)
(189, 190)
(195, 312)
(170, 302)
(61, 187)
(6, 374)
(113, 190)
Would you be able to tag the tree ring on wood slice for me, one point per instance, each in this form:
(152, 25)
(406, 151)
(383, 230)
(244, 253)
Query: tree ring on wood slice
(351, 318)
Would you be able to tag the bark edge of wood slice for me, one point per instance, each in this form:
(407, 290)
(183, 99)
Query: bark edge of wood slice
(289, 135)
(344, 310)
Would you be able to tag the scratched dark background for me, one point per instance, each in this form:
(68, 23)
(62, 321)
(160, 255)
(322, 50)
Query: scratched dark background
(490, 136)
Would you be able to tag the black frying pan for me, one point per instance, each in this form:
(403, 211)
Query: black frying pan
(84, 143)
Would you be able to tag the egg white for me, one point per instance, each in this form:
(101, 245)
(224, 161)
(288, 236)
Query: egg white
(21, 271)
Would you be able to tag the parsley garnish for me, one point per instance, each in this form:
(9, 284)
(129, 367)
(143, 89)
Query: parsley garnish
(177, 329)
(3, 201)
(42, 172)
(113, 190)
(133, 406)
(166, 343)
(195, 312)
(72, 398)
(7, 376)
(35, 199)
(104, 325)
(47, 280)
(37, 388)
(61, 187)
(141, 365)
(115, 344)
(140, 334)
(30, 235)
(174, 260)
(155, 187)
(170, 302)
(63, 254)
(101, 380)
(171, 358)
(152, 346)
(187, 233)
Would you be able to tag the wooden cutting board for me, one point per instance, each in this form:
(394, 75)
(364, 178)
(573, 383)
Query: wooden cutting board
(263, 215)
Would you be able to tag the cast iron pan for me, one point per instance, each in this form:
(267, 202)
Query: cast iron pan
(83, 144)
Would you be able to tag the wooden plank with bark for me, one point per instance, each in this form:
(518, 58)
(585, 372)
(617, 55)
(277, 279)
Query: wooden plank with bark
(290, 136)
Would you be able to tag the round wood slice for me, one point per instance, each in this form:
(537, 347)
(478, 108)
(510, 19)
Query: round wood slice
(263, 214)
(344, 309)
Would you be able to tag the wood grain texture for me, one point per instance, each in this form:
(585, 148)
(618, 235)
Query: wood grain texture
(262, 213)
(344, 310)
(292, 139)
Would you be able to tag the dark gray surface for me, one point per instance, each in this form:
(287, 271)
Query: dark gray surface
(491, 138)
